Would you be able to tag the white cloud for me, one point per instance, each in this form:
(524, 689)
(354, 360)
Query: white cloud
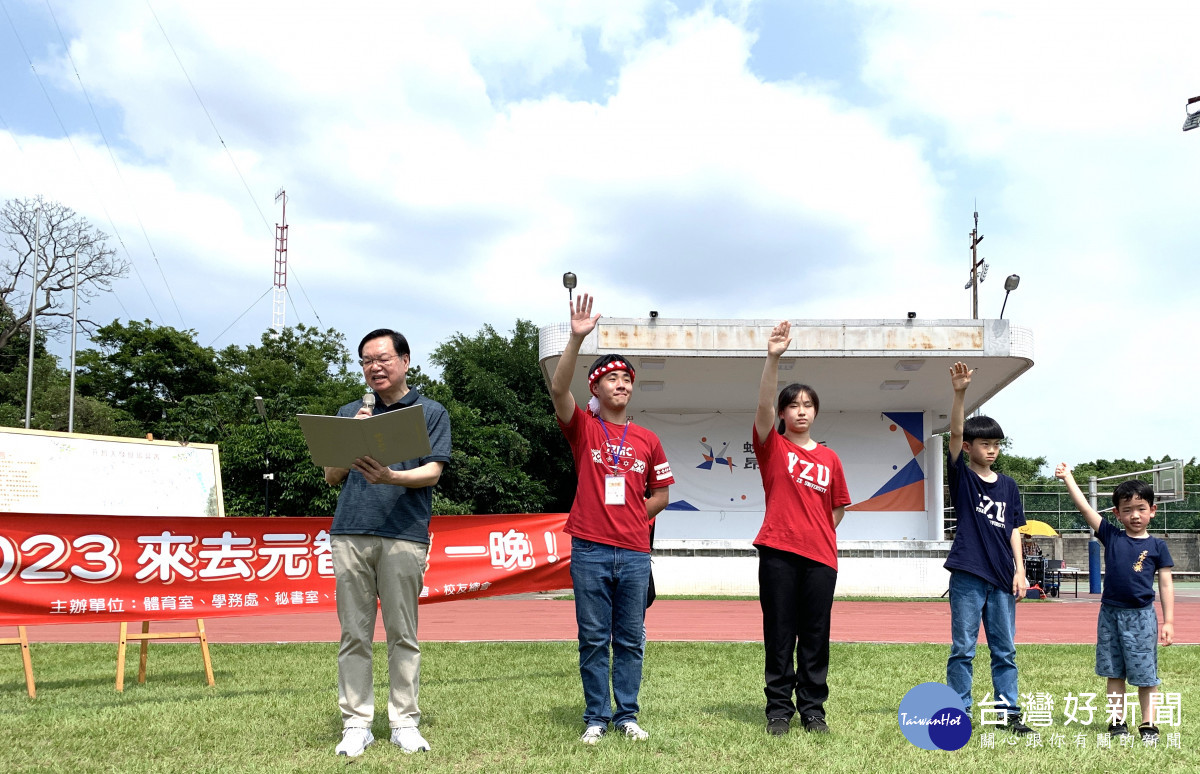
(447, 162)
(1075, 108)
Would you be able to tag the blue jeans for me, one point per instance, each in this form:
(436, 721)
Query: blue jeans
(610, 586)
(971, 599)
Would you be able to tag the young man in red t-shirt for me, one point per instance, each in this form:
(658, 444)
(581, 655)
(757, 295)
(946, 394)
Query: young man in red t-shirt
(806, 497)
(623, 483)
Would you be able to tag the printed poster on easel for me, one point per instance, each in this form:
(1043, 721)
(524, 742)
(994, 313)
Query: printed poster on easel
(48, 472)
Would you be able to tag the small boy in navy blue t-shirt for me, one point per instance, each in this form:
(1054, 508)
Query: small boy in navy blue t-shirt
(1127, 631)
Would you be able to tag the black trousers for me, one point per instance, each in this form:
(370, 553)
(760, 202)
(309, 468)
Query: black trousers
(796, 594)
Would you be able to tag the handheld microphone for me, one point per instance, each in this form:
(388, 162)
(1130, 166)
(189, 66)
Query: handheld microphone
(369, 402)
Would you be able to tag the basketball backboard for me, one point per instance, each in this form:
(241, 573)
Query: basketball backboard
(1168, 482)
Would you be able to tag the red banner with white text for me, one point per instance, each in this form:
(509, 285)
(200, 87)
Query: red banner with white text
(67, 569)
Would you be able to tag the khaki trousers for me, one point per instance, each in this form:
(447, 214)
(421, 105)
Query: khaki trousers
(369, 568)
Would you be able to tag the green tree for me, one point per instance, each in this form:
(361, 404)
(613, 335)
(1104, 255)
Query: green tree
(487, 471)
(50, 407)
(300, 370)
(299, 488)
(1023, 470)
(165, 383)
(509, 455)
(146, 370)
(1121, 467)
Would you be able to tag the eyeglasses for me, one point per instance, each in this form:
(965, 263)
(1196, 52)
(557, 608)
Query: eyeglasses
(384, 361)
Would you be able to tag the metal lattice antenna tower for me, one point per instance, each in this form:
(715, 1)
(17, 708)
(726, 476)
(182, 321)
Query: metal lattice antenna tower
(279, 304)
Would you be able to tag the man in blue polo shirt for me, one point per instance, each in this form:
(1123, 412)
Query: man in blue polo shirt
(380, 543)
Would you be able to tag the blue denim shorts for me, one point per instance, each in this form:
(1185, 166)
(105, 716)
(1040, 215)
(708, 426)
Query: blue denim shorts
(1127, 644)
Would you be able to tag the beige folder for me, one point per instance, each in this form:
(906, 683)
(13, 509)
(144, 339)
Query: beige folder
(391, 437)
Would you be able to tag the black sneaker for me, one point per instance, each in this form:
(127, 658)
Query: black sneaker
(1148, 732)
(778, 726)
(1015, 725)
(1118, 729)
(815, 724)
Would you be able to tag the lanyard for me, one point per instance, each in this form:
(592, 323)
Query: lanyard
(608, 440)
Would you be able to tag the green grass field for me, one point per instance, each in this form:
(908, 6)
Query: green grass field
(515, 707)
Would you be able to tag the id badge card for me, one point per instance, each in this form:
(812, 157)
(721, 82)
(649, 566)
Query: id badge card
(614, 490)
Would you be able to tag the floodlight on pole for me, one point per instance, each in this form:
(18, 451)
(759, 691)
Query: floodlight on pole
(569, 282)
(1010, 284)
(1192, 119)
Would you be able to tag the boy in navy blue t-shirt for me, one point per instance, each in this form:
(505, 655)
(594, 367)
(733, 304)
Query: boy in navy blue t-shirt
(987, 570)
(1127, 630)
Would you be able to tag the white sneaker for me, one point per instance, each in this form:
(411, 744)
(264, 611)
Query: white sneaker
(592, 734)
(409, 739)
(354, 741)
(633, 731)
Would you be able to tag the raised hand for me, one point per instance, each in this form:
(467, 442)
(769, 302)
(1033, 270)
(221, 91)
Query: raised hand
(1062, 472)
(779, 340)
(960, 376)
(583, 321)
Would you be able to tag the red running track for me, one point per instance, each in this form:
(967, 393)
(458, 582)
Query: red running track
(1063, 621)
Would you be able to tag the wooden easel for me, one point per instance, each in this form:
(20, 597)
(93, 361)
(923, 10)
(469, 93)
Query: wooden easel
(23, 640)
(145, 638)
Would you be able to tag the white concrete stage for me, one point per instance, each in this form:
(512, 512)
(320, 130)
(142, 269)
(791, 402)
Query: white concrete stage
(885, 396)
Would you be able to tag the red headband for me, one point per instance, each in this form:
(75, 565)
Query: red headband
(609, 367)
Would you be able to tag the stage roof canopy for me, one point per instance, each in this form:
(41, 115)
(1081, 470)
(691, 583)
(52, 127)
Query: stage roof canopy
(703, 366)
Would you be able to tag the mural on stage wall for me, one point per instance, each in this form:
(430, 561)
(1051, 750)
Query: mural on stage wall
(905, 490)
(715, 468)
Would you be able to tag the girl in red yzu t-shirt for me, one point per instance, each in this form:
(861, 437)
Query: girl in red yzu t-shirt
(806, 498)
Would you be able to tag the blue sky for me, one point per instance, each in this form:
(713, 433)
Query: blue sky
(446, 163)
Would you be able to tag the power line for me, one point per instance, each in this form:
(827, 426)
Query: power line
(113, 158)
(228, 153)
(78, 158)
(8, 130)
(209, 116)
(288, 292)
(305, 292)
(114, 292)
(240, 316)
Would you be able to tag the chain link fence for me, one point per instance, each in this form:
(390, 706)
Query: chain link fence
(1051, 503)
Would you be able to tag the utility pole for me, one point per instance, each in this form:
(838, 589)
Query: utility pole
(978, 269)
(74, 335)
(279, 302)
(37, 241)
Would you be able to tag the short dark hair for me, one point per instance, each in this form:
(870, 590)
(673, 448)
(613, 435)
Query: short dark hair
(789, 394)
(982, 428)
(620, 362)
(399, 343)
(1127, 490)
